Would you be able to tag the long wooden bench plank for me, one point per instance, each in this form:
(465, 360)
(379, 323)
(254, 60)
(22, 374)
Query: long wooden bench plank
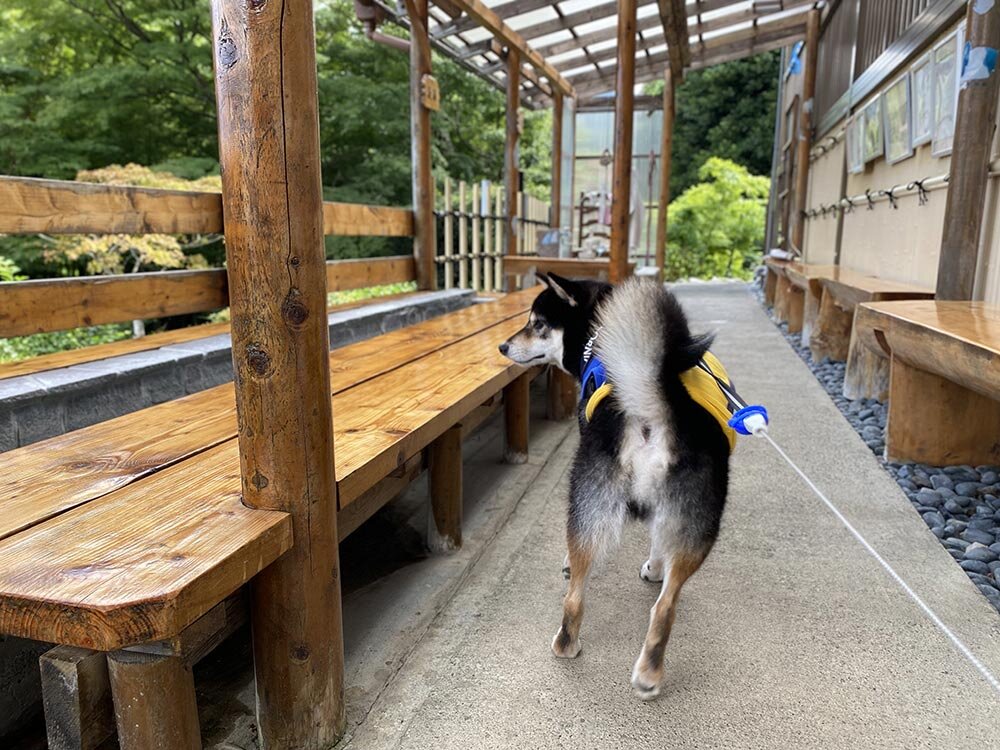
(571, 267)
(49, 477)
(143, 562)
(139, 564)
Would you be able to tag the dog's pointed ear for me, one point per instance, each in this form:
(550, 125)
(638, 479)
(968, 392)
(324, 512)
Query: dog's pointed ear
(543, 277)
(567, 290)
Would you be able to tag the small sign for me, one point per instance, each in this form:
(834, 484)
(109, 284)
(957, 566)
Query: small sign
(430, 93)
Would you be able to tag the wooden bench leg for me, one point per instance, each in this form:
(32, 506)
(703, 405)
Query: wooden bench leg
(76, 694)
(810, 313)
(444, 529)
(561, 395)
(831, 337)
(155, 706)
(516, 405)
(770, 287)
(867, 374)
(782, 289)
(935, 421)
(795, 301)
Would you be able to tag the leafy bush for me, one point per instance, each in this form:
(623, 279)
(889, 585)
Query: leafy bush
(716, 227)
(22, 347)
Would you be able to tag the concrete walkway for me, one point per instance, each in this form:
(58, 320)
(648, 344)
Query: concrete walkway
(789, 637)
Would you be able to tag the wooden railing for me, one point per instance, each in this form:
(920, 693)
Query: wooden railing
(60, 207)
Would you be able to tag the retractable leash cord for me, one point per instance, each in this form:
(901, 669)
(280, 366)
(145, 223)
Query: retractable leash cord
(752, 420)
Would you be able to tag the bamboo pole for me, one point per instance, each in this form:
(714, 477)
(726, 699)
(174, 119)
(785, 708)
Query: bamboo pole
(805, 129)
(557, 131)
(488, 223)
(511, 160)
(449, 249)
(265, 63)
(498, 242)
(424, 247)
(463, 239)
(666, 147)
(624, 106)
(970, 157)
(476, 260)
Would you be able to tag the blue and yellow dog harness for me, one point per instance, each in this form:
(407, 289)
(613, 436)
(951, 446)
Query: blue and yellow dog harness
(707, 382)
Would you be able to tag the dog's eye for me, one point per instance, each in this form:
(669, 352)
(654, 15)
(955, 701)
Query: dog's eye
(539, 325)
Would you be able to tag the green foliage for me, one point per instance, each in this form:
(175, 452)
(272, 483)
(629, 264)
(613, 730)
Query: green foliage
(22, 347)
(725, 111)
(716, 228)
(9, 270)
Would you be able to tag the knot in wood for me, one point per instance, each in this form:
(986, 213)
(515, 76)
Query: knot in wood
(300, 653)
(259, 481)
(293, 310)
(228, 54)
(258, 360)
(256, 5)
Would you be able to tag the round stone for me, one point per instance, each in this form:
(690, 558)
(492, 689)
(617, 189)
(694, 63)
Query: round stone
(975, 566)
(978, 535)
(983, 554)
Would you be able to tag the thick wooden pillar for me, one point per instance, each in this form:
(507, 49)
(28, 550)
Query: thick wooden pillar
(444, 456)
(516, 408)
(666, 146)
(970, 161)
(624, 109)
(805, 129)
(511, 161)
(555, 218)
(154, 702)
(424, 245)
(265, 74)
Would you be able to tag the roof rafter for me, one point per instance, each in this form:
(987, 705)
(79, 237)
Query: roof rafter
(675, 28)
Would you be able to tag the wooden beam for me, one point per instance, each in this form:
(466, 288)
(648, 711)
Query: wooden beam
(805, 129)
(77, 698)
(555, 201)
(424, 245)
(503, 10)
(622, 167)
(511, 165)
(358, 273)
(265, 78)
(666, 147)
(493, 23)
(970, 158)
(516, 409)
(573, 20)
(358, 220)
(675, 30)
(444, 524)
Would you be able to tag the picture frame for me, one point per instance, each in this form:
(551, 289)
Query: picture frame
(874, 142)
(945, 92)
(896, 114)
(854, 136)
(922, 100)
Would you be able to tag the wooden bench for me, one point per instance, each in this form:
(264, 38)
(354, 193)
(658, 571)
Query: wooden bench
(944, 383)
(575, 268)
(129, 537)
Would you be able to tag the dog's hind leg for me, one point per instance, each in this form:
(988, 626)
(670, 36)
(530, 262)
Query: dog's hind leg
(648, 670)
(566, 644)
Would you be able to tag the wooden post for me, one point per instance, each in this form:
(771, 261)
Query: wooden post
(624, 110)
(970, 159)
(265, 76)
(516, 408)
(511, 161)
(487, 210)
(444, 529)
(463, 239)
(498, 243)
(420, 146)
(449, 239)
(477, 211)
(805, 129)
(79, 714)
(666, 146)
(557, 154)
(154, 700)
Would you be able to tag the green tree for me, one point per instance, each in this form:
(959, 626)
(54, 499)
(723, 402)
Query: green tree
(716, 227)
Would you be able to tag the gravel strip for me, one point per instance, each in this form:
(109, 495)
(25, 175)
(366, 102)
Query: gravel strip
(959, 504)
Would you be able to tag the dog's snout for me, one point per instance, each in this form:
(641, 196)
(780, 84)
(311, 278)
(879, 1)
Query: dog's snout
(504, 348)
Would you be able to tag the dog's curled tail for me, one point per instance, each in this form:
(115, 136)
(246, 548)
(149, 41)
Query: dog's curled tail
(644, 338)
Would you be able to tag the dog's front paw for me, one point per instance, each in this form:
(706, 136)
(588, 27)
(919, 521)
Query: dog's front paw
(646, 679)
(565, 647)
(652, 571)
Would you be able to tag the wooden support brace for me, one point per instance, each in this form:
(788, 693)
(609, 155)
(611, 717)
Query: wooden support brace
(810, 310)
(831, 336)
(444, 528)
(154, 699)
(770, 286)
(867, 373)
(561, 393)
(795, 301)
(516, 407)
(76, 694)
(935, 421)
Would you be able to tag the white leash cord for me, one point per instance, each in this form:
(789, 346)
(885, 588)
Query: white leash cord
(965, 651)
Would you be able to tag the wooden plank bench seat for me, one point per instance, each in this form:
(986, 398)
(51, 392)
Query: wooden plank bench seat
(944, 382)
(123, 534)
(576, 268)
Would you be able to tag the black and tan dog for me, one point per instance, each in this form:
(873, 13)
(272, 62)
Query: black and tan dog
(648, 450)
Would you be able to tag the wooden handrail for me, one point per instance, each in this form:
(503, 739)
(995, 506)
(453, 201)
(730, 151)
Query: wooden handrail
(29, 205)
(44, 305)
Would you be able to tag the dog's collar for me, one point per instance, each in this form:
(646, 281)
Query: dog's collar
(594, 385)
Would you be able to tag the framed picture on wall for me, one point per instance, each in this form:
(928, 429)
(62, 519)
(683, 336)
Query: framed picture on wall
(874, 143)
(945, 93)
(922, 100)
(896, 110)
(855, 136)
